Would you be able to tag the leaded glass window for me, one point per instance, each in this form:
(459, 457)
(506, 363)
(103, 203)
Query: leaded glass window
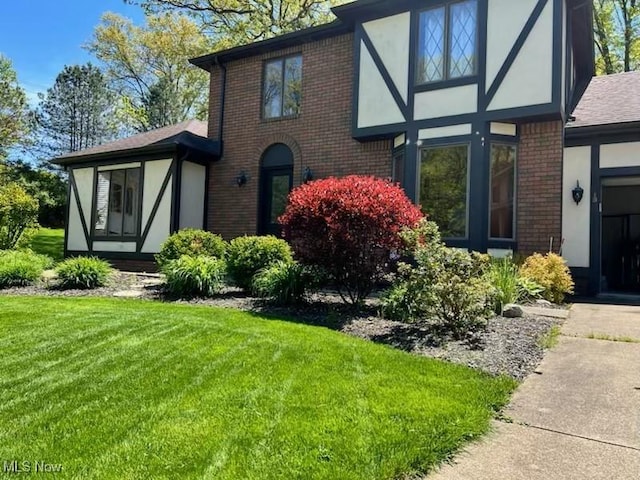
(447, 42)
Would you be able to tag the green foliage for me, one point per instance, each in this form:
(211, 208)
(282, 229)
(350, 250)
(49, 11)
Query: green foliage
(551, 272)
(617, 35)
(445, 285)
(14, 112)
(147, 65)
(192, 242)
(246, 256)
(285, 282)
(18, 216)
(510, 286)
(83, 273)
(195, 276)
(77, 112)
(21, 267)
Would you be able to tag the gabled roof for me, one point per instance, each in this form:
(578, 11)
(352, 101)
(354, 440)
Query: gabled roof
(190, 133)
(609, 100)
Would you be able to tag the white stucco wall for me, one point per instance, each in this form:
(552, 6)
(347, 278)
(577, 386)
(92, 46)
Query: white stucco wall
(620, 155)
(390, 38)
(154, 174)
(576, 226)
(529, 80)
(441, 132)
(128, 247)
(76, 240)
(160, 225)
(376, 105)
(192, 195)
(84, 181)
(446, 102)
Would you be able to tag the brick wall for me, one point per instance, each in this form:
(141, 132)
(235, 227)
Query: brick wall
(540, 186)
(320, 137)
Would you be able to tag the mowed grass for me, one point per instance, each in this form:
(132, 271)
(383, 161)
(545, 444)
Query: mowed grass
(50, 242)
(121, 389)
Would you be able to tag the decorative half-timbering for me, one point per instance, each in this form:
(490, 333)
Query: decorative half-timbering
(127, 197)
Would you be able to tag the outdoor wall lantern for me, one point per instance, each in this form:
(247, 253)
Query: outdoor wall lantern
(578, 193)
(241, 179)
(307, 175)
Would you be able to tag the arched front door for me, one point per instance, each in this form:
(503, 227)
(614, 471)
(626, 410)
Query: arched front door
(276, 181)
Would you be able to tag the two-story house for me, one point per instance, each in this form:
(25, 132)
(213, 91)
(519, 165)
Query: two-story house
(465, 103)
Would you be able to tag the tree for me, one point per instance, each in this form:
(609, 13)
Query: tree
(348, 227)
(76, 113)
(14, 113)
(617, 35)
(241, 21)
(18, 216)
(148, 66)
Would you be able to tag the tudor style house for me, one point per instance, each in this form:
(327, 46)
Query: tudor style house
(465, 103)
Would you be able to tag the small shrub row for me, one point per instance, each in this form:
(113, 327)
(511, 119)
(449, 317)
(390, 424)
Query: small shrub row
(199, 276)
(286, 282)
(83, 273)
(19, 268)
(191, 242)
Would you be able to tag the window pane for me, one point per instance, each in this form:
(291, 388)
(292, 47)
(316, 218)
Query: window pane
(115, 202)
(272, 100)
(443, 188)
(102, 203)
(503, 170)
(279, 195)
(431, 46)
(462, 39)
(398, 168)
(292, 86)
(131, 201)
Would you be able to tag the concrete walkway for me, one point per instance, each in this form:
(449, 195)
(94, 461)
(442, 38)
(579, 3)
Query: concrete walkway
(579, 417)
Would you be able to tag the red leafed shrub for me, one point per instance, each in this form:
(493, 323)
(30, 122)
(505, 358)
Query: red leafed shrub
(348, 226)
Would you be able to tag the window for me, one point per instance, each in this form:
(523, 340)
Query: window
(282, 89)
(444, 186)
(447, 42)
(503, 179)
(117, 201)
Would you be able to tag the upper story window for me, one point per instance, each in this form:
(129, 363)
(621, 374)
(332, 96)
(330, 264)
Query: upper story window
(447, 42)
(282, 88)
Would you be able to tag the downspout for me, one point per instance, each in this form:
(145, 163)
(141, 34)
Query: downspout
(223, 91)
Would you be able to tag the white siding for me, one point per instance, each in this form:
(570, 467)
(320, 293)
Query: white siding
(376, 105)
(128, 247)
(76, 241)
(576, 225)
(192, 195)
(390, 38)
(154, 174)
(620, 155)
(446, 102)
(529, 80)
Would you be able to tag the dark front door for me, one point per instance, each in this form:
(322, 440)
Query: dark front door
(275, 185)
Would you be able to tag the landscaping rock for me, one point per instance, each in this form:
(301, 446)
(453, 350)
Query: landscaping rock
(49, 275)
(512, 311)
(129, 294)
(544, 303)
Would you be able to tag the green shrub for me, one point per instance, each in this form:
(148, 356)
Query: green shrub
(191, 242)
(21, 267)
(550, 272)
(445, 285)
(18, 216)
(189, 276)
(246, 256)
(285, 282)
(510, 286)
(83, 273)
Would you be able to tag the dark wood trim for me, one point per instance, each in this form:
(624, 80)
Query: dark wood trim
(156, 204)
(115, 255)
(620, 171)
(205, 210)
(556, 61)
(66, 214)
(515, 50)
(452, 83)
(595, 248)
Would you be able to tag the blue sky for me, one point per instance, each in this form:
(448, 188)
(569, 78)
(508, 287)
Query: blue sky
(42, 36)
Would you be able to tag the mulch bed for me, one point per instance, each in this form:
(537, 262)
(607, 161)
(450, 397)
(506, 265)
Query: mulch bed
(506, 346)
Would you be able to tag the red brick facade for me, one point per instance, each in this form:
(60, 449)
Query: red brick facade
(539, 203)
(320, 137)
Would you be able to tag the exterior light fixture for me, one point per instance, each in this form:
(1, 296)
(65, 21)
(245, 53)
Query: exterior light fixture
(241, 179)
(577, 193)
(307, 175)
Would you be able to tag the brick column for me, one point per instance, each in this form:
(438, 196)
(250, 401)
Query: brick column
(539, 203)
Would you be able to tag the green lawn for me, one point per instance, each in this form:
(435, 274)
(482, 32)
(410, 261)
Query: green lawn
(122, 389)
(49, 241)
